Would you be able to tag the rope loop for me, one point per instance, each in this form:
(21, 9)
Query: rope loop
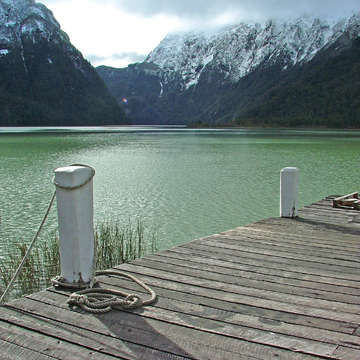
(59, 281)
(76, 299)
(132, 301)
(100, 300)
(81, 184)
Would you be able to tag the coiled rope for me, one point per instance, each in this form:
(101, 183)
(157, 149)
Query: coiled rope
(94, 300)
(99, 300)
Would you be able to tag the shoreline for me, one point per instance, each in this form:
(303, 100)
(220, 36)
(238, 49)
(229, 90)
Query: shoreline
(46, 130)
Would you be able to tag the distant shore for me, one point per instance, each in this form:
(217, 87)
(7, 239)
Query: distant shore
(159, 128)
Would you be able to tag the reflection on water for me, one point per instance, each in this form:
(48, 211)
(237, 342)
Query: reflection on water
(184, 183)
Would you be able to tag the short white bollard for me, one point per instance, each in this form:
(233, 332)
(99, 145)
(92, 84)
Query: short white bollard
(74, 195)
(289, 178)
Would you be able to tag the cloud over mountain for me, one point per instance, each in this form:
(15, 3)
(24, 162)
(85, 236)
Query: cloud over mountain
(206, 10)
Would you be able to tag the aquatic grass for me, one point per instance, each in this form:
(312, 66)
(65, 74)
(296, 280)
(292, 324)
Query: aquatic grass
(115, 244)
(28, 279)
(50, 258)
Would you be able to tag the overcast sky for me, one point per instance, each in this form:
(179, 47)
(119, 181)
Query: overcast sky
(119, 32)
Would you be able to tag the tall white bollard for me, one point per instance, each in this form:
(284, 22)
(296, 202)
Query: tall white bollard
(289, 178)
(74, 195)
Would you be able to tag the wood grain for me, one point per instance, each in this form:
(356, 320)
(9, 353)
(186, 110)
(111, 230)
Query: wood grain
(275, 289)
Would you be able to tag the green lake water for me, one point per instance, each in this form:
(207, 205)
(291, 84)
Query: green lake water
(182, 183)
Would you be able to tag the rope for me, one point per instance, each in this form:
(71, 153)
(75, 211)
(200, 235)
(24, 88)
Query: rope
(93, 300)
(18, 270)
(59, 281)
(81, 184)
(100, 300)
(28, 251)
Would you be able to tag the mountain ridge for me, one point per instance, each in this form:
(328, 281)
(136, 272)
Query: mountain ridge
(223, 77)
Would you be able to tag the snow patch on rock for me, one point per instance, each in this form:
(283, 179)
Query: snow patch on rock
(19, 18)
(238, 50)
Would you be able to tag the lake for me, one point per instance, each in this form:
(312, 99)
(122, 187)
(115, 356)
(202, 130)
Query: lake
(181, 183)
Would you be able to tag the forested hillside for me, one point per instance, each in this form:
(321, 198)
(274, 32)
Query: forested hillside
(44, 80)
(325, 92)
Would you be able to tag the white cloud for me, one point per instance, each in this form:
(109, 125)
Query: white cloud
(206, 10)
(117, 59)
(102, 28)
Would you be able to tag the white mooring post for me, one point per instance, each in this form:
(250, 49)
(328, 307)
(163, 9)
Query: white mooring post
(289, 178)
(74, 195)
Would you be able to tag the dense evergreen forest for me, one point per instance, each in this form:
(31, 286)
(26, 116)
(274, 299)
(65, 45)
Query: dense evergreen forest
(50, 84)
(324, 92)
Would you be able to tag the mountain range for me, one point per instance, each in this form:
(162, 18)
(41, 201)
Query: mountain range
(294, 72)
(44, 79)
(299, 72)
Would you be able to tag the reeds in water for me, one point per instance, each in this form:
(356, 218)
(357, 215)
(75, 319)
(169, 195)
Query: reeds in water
(115, 244)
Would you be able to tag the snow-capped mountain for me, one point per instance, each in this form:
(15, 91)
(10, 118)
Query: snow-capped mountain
(25, 17)
(295, 72)
(44, 79)
(240, 49)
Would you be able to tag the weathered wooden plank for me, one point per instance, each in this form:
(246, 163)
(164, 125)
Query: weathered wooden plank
(233, 293)
(314, 238)
(47, 345)
(344, 266)
(209, 326)
(258, 312)
(322, 250)
(345, 353)
(87, 338)
(355, 220)
(311, 253)
(320, 245)
(253, 273)
(176, 329)
(249, 282)
(240, 332)
(307, 226)
(347, 233)
(327, 212)
(290, 243)
(357, 333)
(232, 317)
(136, 329)
(322, 219)
(325, 202)
(283, 263)
(325, 217)
(263, 265)
(262, 314)
(10, 351)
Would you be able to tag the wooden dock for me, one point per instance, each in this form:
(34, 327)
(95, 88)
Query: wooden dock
(275, 289)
